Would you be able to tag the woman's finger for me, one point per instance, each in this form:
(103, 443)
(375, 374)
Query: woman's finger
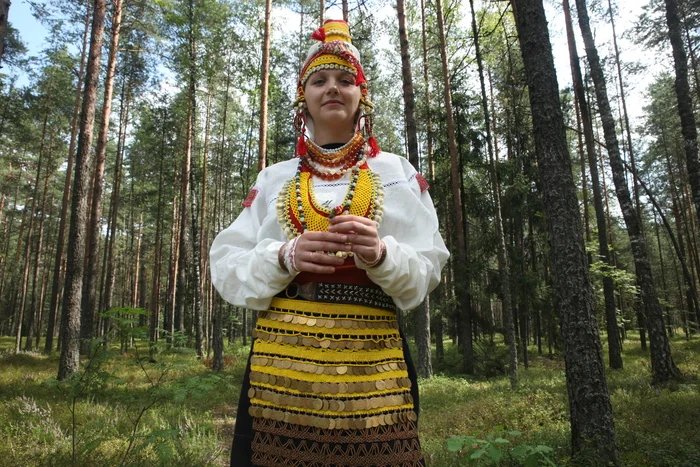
(353, 226)
(322, 246)
(324, 237)
(319, 257)
(366, 240)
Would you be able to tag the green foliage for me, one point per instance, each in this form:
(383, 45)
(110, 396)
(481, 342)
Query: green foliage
(497, 449)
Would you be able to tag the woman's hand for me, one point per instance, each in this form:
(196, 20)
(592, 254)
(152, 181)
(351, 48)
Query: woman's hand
(310, 253)
(361, 233)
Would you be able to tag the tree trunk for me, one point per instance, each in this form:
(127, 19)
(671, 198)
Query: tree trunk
(56, 282)
(138, 279)
(113, 216)
(422, 312)
(35, 308)
(456, 184)
(217, 312)
(625, 115)
(346, 12)
(158, 249)
(663, 367)
(592, 428)
(19, 312)
(4, 13)
(503, 271)
(196, 245)
(685, 101)
(89, 305)
(265, 83)
(70, 321)
(614, 348)
(202, 223)
(426, 80)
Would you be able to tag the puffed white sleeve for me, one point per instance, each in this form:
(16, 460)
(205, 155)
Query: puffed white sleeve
(243, 257)
(415, 250)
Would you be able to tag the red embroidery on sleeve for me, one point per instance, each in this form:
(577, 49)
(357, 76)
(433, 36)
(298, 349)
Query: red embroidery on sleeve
(422, 183)
(248, 202)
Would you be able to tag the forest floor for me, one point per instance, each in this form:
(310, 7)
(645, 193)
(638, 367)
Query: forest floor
(125, 410)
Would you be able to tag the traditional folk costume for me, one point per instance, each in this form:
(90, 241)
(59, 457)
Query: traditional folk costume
(329, 380)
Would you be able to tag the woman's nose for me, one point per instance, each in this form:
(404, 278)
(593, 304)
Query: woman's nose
(332, 87)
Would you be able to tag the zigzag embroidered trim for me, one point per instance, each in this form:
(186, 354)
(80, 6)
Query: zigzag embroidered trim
(283, 444)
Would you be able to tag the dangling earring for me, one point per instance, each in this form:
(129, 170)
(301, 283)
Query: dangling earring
(364, 124)
(300, 128)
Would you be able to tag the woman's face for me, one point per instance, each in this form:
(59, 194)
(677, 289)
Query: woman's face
(332, 98)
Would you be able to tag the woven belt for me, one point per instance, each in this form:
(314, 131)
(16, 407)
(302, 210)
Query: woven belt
(339, 293)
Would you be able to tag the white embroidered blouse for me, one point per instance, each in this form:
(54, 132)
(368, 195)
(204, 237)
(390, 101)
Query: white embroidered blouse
(244, 265)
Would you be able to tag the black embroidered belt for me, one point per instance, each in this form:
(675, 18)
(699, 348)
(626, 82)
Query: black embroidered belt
(332, 292)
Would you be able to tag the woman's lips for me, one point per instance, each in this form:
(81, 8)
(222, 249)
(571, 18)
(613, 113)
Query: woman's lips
(332, 103)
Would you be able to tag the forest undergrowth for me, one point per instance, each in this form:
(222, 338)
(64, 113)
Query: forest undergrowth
(131, 410)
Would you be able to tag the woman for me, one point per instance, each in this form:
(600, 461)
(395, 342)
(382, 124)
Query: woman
(328, 245)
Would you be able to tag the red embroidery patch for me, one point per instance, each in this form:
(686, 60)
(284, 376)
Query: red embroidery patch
(422, 183)
(248, 202)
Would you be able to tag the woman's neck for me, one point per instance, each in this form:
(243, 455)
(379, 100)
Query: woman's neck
(331, 135)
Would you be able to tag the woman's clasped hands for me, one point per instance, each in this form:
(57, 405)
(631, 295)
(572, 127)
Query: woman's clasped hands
(346, 234)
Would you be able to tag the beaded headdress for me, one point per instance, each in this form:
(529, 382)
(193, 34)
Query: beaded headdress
(334, 50)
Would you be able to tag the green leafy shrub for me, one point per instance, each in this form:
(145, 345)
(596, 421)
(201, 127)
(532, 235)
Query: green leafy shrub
(497, 450)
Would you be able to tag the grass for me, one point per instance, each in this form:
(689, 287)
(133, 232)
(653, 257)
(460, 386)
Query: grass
(187, 419)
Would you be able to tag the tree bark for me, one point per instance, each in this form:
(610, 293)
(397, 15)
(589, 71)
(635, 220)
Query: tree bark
(422, 312)
(89, 305)
(158, 249)
(663, 367)
(456, 185)
(113, 215)
(70, 321)
(426, 80)
(614, 347)
(35, 306)
(4, 13)
(56, 281)
(592, 428)
(685, 100)
(19, 312)
(265, 83)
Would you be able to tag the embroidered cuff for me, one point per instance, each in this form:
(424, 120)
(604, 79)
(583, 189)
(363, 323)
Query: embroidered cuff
(380, 258)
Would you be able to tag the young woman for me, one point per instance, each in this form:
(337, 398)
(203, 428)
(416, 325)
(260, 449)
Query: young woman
(328, 246)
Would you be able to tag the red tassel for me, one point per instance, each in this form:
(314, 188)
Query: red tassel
(360, 77)
(373, 147)
(319, 35)
(301, 146)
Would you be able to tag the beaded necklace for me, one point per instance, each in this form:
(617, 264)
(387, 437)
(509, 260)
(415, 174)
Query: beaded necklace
(297, 208)
(324, 163)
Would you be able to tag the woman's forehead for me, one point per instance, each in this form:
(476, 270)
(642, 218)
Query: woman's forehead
(327, 72)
